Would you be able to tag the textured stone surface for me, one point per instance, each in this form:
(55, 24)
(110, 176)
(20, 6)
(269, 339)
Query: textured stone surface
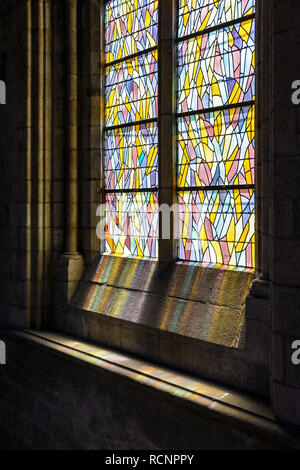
(13, 166)
(206, 304)
(286, 215)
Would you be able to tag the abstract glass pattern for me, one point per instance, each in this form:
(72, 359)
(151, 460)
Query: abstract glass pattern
(131, 134)
(131, 158)
(131, 27)
(216, 131)
(217, 68)
(131, 90)
(132, 224)
(217, 227)
(198, 15)
(216, 148)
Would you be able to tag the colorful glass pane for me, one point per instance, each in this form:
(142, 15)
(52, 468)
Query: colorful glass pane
(131, 90)
(217, 227)
(132, 224)
(131, 27)
(131, 159)
(216, 148)
(217, 68)
(131, 147)
(198, 15)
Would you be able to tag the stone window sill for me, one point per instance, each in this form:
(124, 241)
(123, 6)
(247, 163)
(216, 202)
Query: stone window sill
(206, 304)
(185, 317)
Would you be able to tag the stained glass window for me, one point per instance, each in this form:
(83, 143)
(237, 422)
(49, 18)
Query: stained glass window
(130, 135)
(216, 131)
(199, 15)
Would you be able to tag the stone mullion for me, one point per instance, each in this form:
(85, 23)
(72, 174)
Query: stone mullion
(166, 123)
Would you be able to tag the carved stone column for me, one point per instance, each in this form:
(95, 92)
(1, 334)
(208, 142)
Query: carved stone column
(258, 311)
(38, 157)
(70, 266)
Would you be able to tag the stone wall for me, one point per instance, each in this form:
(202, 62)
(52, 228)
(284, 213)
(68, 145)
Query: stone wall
(285, 219)
(13, 165)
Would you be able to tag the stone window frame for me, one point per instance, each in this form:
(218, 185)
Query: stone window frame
(167, 251)
(247, 367)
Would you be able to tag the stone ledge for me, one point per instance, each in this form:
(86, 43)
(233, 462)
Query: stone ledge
(204, 303)
(188, 317)
(217, 402)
